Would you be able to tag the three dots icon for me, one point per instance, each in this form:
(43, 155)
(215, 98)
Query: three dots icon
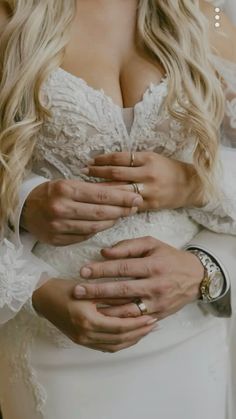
(217, 17)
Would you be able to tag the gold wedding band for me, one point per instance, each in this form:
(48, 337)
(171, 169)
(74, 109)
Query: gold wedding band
(132, 157)
(141, 306)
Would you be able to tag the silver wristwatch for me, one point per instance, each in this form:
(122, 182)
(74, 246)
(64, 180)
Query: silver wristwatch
(214, 283)
(213, 288)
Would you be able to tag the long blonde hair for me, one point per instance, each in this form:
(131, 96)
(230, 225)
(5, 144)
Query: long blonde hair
(32, 45)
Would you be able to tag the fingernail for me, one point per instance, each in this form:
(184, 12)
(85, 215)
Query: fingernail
(85, 171)
(134, 210)
(152, 321)
(86, 272)
(137, 201)
(79, 291)
(91, 162)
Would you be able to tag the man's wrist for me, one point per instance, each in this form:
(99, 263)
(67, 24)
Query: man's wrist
(219, 306)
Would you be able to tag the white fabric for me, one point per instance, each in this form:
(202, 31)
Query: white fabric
(31, 182)
(50, 377)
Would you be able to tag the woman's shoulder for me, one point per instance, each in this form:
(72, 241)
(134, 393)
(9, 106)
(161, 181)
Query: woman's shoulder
(222, 38)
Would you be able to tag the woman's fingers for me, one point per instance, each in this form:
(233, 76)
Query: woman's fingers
(125, 158)
(115, 339)
(122, 311)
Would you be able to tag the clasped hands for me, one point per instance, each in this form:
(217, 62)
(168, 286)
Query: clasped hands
(69, 211)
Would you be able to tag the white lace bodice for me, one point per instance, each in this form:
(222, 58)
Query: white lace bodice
(86, 122)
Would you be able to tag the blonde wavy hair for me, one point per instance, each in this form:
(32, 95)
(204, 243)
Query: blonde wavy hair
(174, 32)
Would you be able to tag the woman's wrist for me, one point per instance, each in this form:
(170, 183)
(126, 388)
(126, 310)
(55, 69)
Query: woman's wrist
(44, 295)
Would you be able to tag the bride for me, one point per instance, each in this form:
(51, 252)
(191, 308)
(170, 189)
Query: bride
(131, 93)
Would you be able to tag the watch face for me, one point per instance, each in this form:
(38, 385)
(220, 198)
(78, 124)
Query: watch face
(216, 285)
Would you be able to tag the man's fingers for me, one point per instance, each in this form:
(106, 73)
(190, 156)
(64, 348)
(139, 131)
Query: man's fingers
(119, 289)
(121, 268)
(119, 159)
(66, 239)
(84, 228)
(93, 212)
(131, 248)
(100, 194)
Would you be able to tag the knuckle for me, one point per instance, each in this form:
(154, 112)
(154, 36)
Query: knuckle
(54, 226)
(123, 269)
(102, 196)
(60, 187)
(55, 209)
(97, 292)
(85, 324)
(94, 228)
(148, 267)
(123, 289)
(100, 213)
(115, 159)
(116, 173)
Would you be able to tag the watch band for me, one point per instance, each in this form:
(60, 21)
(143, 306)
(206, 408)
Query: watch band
(221, 307)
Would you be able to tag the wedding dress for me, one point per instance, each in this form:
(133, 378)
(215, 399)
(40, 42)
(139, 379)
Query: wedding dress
(180, 370)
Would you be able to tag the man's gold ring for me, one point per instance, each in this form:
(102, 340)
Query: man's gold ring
(141, 306)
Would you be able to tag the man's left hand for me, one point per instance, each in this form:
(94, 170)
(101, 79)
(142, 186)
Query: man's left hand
(163, 277)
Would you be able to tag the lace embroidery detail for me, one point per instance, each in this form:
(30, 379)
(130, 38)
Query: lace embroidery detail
(84, 123)
(17, 279)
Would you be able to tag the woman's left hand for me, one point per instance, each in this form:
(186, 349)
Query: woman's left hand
(164, 278)
(163, 182)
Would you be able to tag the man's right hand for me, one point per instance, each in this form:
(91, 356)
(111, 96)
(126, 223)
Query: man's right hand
(63, 212)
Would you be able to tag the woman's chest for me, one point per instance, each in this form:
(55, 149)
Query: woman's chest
(86, 122)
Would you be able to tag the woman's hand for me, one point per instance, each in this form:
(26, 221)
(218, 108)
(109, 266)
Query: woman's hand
(64, 212)
(166, 279)
(83, 323)
(163, 182)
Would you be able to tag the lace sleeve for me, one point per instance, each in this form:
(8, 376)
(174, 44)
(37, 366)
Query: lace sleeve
(20, 274)
(220, 215)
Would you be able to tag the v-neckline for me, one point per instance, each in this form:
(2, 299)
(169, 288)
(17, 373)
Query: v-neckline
(127, 133)
(101, 91)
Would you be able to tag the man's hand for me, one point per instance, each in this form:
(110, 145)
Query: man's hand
(166, 279)
(64, 212)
